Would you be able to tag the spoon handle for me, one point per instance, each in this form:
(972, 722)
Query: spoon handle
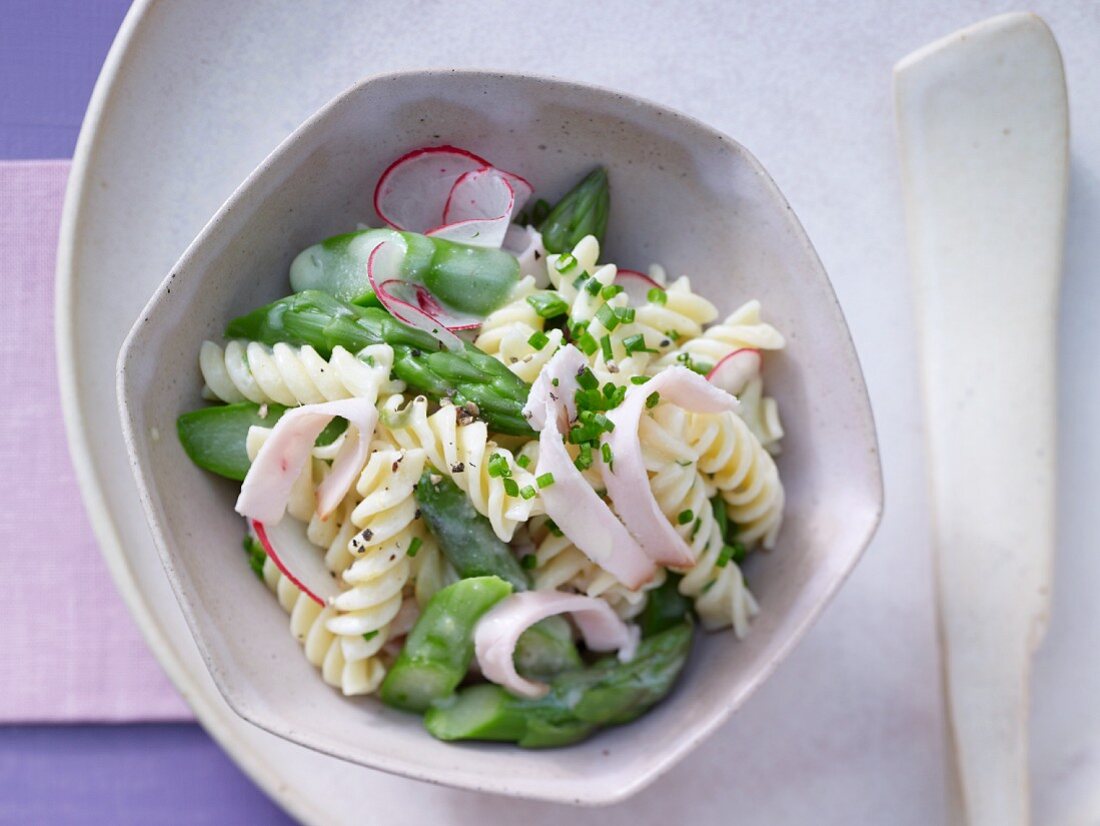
(983, 131)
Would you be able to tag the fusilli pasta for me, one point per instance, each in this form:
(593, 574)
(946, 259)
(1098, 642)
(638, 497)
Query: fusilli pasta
(506, 334)
(250, 371)
(462, 451)
(678, 463)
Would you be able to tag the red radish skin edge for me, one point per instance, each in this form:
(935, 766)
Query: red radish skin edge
(269, 549)
(714, 370)
(495, 221)
(394, 305)
(428, 150)
(625, 273)
(636, 284)
(416, 153)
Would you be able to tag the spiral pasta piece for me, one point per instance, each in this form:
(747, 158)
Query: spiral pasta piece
(761, 414)
(683, 490)
(346, 663)
(743, 328)
(743, 472)
(506, 334)
(560, 565)
(387, 528)
(250, 371)
(678, 317)
(626, 348)
(461, 452)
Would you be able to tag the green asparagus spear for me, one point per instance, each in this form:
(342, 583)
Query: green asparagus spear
(606, 693)
(583, 211)
(322, 321)
(214, 437)
(439, 649)
(464, 535)
(665, 607)
(546, 649)
(473, 280)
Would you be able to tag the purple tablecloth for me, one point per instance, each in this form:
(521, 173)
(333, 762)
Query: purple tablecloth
(50, 55)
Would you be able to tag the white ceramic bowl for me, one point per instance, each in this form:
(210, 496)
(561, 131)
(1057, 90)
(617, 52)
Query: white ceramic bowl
(683, 195)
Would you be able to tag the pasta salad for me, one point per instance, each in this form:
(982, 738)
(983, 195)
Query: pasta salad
(493, 479)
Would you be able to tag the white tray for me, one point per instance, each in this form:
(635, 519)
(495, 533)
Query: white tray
(194, 94)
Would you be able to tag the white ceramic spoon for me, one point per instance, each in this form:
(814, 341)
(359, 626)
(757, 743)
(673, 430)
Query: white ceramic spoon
(983, 128)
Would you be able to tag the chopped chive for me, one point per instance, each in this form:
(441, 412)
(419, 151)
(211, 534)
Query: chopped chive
(584, 458)
(370, 635)
(625, 314)
(564, 262)
(256, 556)
(528, 561)
(603, 422)
(498, 465)
(414, 546)
(511, 487)
(581, 433)
(739, 552)
(528, 492)
(610, 291)
(579, 280)
(555, 381)
(673, 335)
(605, 347)
(524, 461)
(577, 330)
(639, 379)
(545, 480)
(605, 452)
(586, 380)
(609, 390)
(685, 516)
(652, 400)
(607, 316)
(548, 304)
(552, 526)
(587, 344)
(656, 296)
(635, 344)
(538, 339)
(695, 527)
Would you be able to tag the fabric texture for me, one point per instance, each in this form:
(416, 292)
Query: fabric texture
(71, 652)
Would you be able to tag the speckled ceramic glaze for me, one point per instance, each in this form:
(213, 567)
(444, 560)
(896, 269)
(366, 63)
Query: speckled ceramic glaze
(683, 195)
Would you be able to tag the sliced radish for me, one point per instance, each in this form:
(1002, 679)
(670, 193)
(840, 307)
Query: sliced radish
(412, 303)
(498, 632)
(413, 190)
(298, 559)
(626, 478)
(478, 209)
(412, 193)
(636, 285)
(270, 479)
(736, 370)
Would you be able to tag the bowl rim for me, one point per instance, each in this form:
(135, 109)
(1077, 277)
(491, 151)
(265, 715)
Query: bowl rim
(669, 756)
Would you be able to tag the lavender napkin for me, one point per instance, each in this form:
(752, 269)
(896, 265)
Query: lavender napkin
(70, 650)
